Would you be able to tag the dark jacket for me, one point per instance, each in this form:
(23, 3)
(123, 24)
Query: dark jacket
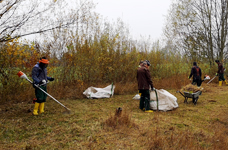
(195, 72)
(144, 78)
(220, 68)
(39, 74)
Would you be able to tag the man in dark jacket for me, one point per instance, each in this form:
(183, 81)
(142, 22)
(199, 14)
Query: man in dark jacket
(196, 73)
(220, 73)
(144, 84)
(39, 76)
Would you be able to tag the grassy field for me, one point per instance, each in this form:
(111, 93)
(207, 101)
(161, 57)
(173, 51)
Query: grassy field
(92, 124)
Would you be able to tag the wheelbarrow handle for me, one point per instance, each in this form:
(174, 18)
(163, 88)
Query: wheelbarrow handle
(181, 94)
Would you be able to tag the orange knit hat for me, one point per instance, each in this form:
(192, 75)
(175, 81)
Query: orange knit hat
(44, 61)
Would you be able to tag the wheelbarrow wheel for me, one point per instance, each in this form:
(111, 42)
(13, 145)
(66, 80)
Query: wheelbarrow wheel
(194, 100)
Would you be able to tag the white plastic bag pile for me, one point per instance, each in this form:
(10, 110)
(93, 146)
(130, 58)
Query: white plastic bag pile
(166, 101)
(93, 92)
(137, 97)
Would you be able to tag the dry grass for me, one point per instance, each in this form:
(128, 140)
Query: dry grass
(94, 124)
(191, 88)
(174, 82)
(123, 88)
(119, 120)
(75, 89)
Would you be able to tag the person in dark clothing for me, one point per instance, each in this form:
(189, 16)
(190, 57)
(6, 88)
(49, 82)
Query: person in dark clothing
(220, 73)
(196, 73)
(144, 84)
(39, 76)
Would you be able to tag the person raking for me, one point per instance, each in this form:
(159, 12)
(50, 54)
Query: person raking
(40, 78)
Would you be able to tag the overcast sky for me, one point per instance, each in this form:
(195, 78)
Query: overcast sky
(144, 17)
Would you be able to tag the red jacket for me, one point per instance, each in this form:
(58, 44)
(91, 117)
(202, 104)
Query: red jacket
(144, 78)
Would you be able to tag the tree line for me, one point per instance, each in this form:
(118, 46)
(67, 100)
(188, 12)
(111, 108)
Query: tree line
(85, 49)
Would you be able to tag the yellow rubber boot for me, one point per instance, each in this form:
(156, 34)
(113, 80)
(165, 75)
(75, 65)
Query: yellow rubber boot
(149, 111)
(226, 82)
(41, 108)
(220, 83)
(36, 107)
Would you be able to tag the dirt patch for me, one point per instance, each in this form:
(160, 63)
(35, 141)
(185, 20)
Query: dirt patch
(212, 101)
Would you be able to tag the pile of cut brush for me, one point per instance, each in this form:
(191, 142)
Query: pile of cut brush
(191, 88)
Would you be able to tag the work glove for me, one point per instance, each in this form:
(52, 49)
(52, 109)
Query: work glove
(216, 74)
(42, 82)
(52, 79)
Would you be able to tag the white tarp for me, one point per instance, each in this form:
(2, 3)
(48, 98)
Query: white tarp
(166, 101)
(93, 92)
(137, 96)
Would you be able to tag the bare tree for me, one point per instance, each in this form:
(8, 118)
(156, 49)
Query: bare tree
(19, 18)
(198, 28)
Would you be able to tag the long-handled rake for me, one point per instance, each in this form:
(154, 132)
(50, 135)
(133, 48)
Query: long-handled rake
(214, 77)
(211, 80)
(22, 75)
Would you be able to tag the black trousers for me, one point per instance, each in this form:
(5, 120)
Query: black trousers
(221, 77)
(197, 81)
(144, 99)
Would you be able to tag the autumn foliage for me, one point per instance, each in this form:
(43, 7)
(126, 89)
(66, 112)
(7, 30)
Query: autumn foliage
(96, 62)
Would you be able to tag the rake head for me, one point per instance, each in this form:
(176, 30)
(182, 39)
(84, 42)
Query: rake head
(22, 75)
(207, 77)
